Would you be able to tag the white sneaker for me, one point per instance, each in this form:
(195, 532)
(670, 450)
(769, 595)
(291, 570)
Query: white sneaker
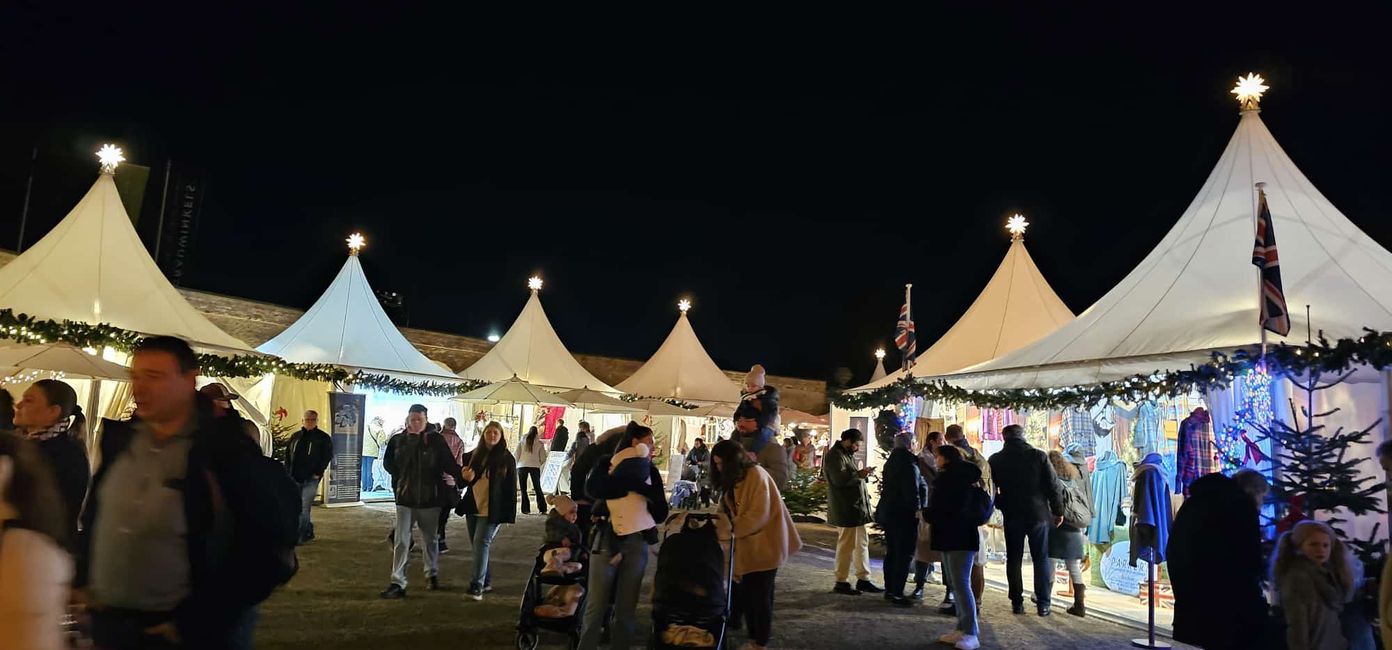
(968, 642)
(951, 637)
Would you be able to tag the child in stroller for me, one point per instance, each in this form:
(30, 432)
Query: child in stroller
(555, 594)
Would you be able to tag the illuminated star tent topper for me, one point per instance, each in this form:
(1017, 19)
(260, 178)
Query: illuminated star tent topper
(1016, 224)
(355, 243)
(683, 305)
(110, 156)
(534, 284)
(880, 354)
(1249, 90)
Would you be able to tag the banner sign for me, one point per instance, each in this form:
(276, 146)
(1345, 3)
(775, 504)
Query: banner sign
(551, 472)
(345, 481)
(186, 194)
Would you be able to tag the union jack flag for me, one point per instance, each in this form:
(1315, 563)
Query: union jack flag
(1274, 316)
(904, 336)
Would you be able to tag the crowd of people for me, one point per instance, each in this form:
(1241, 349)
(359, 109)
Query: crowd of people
(184, 527)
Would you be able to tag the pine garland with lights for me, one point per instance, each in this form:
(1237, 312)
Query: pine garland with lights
(28, 329)
(629, 397)
(1373, 349)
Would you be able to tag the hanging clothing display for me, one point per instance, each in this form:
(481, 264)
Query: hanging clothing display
(1108, 494)
(1146, 432)
(1103, 418)
(1037, 429)
(995, 420)
(1150, 512)
(1197, 455)
(1078, 428)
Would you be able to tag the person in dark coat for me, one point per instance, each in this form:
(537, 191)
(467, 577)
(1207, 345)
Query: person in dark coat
(848, 509)
(1066, 542)
(1218, 586)
(48, 415)
(585, 458)
(903, 497)
(490, 472)
(1028, 498)
(560, 441)
(417, 459)
(955, 516)
(306, 458)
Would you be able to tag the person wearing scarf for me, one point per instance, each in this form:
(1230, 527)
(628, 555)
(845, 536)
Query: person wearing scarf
(49, 416)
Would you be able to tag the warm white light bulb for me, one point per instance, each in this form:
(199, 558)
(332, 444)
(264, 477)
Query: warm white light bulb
(534, 284)
(1016, 224)
(1249, 90)
(355, 243)
(880, 354)
(110, 156)
(684, 305)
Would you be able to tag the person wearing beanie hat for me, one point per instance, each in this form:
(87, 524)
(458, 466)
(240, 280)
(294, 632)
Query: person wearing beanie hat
(903, 497)
(761, 397)
(848, 509)
(759, 441)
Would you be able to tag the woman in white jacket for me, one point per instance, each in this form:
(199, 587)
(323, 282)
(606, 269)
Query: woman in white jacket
(531, 457)
(35, 571)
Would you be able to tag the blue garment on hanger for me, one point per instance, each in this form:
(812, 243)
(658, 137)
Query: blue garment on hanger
(1108, 495)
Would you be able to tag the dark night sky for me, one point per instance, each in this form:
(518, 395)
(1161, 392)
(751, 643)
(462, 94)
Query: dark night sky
(790, 172)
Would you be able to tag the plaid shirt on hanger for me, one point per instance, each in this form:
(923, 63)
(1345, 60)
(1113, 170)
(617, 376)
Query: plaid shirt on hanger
(1079, 428)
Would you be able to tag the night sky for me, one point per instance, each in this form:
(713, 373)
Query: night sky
(789, 172)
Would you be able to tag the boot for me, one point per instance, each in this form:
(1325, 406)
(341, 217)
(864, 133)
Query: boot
(1078, 608)
(917, 592)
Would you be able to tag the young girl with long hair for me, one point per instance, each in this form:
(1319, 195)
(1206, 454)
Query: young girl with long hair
(489, 500)
(1314, 575)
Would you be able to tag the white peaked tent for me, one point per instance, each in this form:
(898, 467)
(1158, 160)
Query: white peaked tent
(93, 268)
(531, 351)
(1197, 291)
(1017, 307)
(682, 369)
(347, 327)
(879, 372)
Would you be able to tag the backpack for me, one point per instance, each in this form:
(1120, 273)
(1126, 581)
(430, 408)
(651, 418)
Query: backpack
(264, 543)
(977, 507)
(1077, 512)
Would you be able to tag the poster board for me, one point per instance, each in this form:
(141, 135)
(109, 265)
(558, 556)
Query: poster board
(346, 431)
(551, 471)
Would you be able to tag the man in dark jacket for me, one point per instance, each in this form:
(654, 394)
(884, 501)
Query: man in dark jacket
(417, 459)
(903, 499)
(1215, 564)
(755, 433)
(848, 508)
(306, 457)
(1027, 496)
(176, 517)
(560, 441)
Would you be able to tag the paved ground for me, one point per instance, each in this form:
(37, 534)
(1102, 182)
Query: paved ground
(333, 601)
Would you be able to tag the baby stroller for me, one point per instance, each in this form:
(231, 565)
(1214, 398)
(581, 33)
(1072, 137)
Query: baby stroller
(530, 624)
(691, 591)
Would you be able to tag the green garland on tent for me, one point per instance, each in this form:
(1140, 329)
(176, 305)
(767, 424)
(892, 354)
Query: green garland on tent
(1373, 349)
(629, 397)
(28, 329)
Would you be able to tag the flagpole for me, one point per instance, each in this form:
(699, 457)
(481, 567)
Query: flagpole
(1261, 293)
(908, 307)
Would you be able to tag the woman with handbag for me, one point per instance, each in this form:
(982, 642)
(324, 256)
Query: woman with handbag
(956, 507)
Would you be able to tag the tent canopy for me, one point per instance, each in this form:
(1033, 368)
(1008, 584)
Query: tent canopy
(682, 369)
(60, 357)
(513, 390)
(531, 351)
(1017, 307)
(93, 268)
(347, 327)
(1197, 290)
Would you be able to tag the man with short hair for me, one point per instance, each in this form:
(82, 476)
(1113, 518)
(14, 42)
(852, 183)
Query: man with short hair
(456, 447)
(561, 441)
(306, 457)
(757, 437)
(1028, 497)
(848, 509)
(175, 485)
(416, 458)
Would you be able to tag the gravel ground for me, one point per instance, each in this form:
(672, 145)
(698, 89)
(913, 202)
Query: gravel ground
(333, 601)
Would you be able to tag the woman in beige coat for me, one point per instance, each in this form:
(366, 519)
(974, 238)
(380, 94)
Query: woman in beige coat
(764, 535)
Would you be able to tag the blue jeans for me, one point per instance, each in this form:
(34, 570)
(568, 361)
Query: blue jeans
(958, 567)
(367, 473)
(481, 533)
(1038, 535)
(308, 490)
(620, 584)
